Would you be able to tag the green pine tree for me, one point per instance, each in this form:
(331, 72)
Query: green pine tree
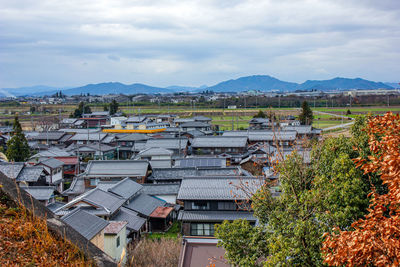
(113, 107)
(17, 146)
(306, 116)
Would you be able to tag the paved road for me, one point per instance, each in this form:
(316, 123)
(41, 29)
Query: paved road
(344, 125)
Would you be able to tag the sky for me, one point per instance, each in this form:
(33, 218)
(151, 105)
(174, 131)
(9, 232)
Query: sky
(194, 43)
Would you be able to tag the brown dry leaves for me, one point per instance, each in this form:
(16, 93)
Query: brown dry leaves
(25, 240)
(375, 240)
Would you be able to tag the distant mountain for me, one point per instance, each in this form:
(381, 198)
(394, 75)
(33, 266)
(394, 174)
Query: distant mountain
(115, 88)
(10, 92)
(256, 82)
(394, 85)
(178, 88)
(342, 84)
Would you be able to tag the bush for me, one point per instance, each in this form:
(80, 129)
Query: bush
(160, 253)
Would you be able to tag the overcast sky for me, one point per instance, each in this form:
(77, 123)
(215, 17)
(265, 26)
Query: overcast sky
(182, 42)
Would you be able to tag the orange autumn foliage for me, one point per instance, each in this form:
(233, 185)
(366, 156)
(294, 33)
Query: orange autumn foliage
(375, 239)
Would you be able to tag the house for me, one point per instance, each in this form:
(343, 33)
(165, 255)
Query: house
(200, 162)
(166, 192)
(115, 240)
(304, 131)
(175, 175)
(52, 152)
(44, 194)
(115, 170)
(259, 123)
(211, 200)
(201, 251)
(55, 169)
(215, 145)
(52, 137)
(155, 153)
(88, 138)
(177, 145)
(136, 224)
(195, 125)
(96, 119)
(93, 151)
(126, 143)
(284, 138)
(145, 206)
(24, 175)
(88, 225)
(97, 202)
(202, 119)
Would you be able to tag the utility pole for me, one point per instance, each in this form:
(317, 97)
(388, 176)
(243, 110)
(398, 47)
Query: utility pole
(279, 101)
(232, 123)
(388, 103)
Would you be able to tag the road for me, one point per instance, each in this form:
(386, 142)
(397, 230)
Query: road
(344, 125)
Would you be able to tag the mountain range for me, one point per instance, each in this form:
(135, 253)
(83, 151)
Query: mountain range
(263, 83)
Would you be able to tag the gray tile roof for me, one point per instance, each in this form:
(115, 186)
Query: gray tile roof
(138, 146)
(55, 205)
(168, 143)
(301, 129)
(179, 173)
(160, 163)
(77, 187)
(217, 188)
(135, 222)
(11, 170)
(202, 118)
(145, 204)
(214, 216)
(92, 147)
(133, 137)
(107, 202)
(161, 189)
(86, 224)
(264, 135)
(126, 188)
(136, 119)
(52, 163)
(201, 162)
(183, 120)
(155, 151)
(219, 141)
(51, 136)
(53, 152)
(40, 192)
(90, 137)
(116, 168)
(195, 124)
(30, 174)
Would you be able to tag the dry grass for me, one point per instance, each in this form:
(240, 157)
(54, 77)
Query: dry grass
(155, 253)
(26, 241)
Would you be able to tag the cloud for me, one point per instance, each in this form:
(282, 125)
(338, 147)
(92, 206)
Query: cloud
(195, 42)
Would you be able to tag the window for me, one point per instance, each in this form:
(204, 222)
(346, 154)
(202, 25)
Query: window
(118, 242)
(206, 229)
(226, 206)
(200, 205)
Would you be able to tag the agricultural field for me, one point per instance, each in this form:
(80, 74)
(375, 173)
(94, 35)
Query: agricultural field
(224, 118)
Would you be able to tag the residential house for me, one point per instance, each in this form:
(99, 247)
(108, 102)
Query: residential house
(25, 175)
(44, 194)
(166, 192)
(284, 138)
(216, 145)
(52, 137)
(259, 123)
(177, 145)
(55, 169)
(88, 138)
(88, 225)
(211, 200)
(126, 143)
(175, 175)
(195, 125)
(109, 170)
(115, 241)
